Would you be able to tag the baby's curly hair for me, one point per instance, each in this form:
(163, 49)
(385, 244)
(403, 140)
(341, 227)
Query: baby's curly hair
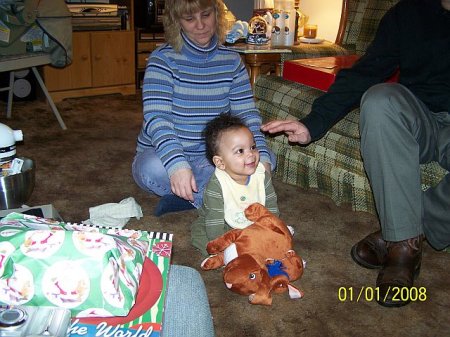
(214, 130)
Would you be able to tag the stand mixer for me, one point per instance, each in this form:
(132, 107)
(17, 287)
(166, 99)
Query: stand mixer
(15, 188)
(8, 139)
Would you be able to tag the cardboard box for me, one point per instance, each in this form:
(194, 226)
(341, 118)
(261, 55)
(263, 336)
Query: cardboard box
(319, 72)
(43, 211)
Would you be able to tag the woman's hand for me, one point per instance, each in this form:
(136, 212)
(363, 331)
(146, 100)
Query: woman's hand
(183, 184)
(295, 131)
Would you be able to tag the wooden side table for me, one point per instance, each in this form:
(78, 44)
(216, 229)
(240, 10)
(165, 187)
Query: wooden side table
(257, 56)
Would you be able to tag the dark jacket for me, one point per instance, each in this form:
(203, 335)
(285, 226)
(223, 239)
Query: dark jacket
(414, 37)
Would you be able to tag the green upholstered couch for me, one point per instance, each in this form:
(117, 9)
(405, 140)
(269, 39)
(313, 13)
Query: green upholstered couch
(333, 164)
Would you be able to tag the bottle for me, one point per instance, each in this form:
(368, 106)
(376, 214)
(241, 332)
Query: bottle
(290, 17)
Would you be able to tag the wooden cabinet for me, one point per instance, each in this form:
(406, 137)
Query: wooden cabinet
(146, 42)
(78, 74)
(103, 63)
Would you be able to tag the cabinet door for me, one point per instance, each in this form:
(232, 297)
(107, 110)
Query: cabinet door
(78, 73)
(112, 58)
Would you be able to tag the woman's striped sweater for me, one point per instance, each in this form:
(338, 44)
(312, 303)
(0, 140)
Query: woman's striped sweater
(183, 91)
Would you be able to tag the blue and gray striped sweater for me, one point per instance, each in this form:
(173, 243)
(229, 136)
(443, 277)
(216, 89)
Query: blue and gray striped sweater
(183, 91)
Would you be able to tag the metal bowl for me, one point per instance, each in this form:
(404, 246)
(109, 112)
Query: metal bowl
(16, 189)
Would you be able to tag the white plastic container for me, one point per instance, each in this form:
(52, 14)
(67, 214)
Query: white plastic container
(289, 14)
(284, 16)
(277, 36)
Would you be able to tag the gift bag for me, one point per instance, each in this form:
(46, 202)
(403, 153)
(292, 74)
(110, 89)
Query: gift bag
(88, 270)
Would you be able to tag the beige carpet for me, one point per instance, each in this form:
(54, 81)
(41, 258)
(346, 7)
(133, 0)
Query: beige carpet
(89, 164)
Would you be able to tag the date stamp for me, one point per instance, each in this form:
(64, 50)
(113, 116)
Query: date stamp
(369, 294)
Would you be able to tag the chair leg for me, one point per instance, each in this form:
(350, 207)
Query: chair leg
(49, 98)
(10, 94)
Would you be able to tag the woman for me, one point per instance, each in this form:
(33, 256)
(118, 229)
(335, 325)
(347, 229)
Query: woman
(188, 81)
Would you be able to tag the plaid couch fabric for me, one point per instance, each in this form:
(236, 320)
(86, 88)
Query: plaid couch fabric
(333, 164)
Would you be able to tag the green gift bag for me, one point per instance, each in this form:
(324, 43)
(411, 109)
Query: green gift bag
(88, 270)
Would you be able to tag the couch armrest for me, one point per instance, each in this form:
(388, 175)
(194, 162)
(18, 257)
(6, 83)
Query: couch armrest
(310, 50)
(278, 98)
(307, 50)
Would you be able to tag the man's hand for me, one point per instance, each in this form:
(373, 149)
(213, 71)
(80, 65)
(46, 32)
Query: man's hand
(183, 184)
(295, 131)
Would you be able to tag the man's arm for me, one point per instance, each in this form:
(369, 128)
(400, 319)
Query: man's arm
(378, 63)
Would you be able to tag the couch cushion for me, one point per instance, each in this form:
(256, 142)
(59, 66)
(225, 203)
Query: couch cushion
(334, 149)
(296, 167)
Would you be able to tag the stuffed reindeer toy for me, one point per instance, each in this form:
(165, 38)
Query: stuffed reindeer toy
(259, 260)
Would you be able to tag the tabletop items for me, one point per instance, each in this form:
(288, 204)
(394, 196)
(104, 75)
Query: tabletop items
(274, 22)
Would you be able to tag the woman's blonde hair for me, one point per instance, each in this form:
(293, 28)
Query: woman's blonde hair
(175, 9)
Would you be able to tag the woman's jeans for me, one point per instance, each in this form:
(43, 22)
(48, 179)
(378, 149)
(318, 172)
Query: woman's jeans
(150, 174)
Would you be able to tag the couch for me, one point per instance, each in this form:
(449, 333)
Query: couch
(332, 165)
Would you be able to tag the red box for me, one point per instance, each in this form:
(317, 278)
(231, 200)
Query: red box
(318, 72)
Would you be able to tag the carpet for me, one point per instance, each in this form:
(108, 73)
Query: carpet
(89, 164)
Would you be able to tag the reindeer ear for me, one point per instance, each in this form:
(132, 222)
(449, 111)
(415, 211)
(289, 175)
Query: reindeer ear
(294, 292)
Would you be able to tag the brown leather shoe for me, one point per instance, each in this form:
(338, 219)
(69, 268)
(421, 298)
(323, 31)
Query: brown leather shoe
(371, 251)
(397, 276)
